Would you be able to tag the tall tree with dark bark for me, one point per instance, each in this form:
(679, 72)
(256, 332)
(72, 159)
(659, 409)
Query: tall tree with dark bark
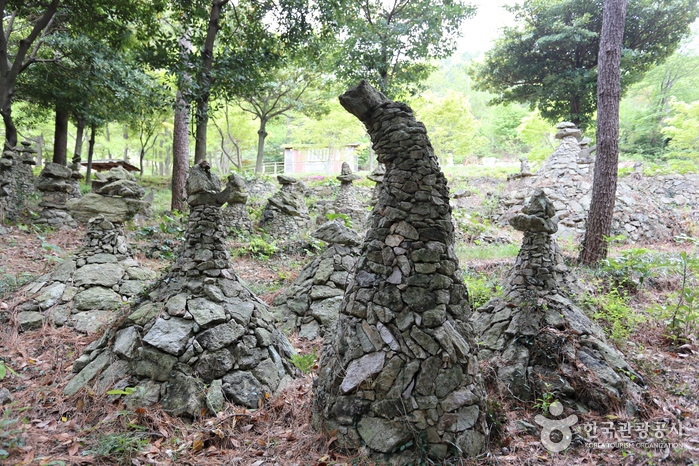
(599, 221)
(107, 20)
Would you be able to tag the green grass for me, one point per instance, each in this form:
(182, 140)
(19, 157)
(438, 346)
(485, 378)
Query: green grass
(486, 252)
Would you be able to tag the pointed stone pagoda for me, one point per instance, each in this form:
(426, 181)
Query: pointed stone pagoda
(537, 340)
(201, 336)
(399, 371)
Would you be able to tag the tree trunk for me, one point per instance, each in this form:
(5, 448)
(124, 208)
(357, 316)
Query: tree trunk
(599, 222)
(90, 152)
(10, 70)
(60, 137)
(205, 82)
(261, 135)
(77, 154)
(180, 153)
(10, 128)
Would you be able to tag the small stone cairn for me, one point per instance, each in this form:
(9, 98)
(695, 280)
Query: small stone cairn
(85, 290)
(536, 339)
(236, 210)
(400, 365)
(201, 337)
(346, 200)
(116, 195)
(311, 305)
(524, 169)
(286, 214)
(57, 186)
(16, 181)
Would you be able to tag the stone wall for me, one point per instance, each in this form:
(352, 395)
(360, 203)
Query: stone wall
(400, 365)
(16, 182)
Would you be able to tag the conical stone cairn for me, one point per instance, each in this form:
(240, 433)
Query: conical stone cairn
(236, 211)
(399, 371)
(310, 306)
(85, 290)
(201, 336)
(286, 214)
(537, 340)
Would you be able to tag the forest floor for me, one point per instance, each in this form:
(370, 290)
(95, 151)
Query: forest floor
(41, 426)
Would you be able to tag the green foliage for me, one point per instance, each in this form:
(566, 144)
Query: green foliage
(389, 44)
(487, 252)
(257, 247)
(10, 433)
(4, 369)
(452, 128)
(119, 448)
(681, 311)
(614, 310)
(306, 363)
(538, 135)
(630, 269)
(344, 217)
(545, 400)
(549, 59)
(481, 287)
(683, 130)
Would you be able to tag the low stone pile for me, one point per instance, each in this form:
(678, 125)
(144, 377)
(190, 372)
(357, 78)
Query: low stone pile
(16, 181)
(236, 210)
(56, 185)
(85, 290)
(285, 216)
(537, 340)
(312, 303)
(346, 200)
(201, 337)
(399, 371)
(116, 195)
(566, 178)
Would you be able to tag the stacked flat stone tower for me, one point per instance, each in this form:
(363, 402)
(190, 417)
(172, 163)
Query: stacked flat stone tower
(311, 305)
(285, 214)
(236, 211)
(346, 200)
(57, 186)
(400, 365)
(86, 289)
(537, 340)
(202, 335)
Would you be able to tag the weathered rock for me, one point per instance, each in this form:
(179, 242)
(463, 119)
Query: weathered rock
(115, 209)
(402, 322)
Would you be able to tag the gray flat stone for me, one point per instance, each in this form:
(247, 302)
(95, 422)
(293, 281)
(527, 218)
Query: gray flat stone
(170, 335)
(87, 374)
(205, 312)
